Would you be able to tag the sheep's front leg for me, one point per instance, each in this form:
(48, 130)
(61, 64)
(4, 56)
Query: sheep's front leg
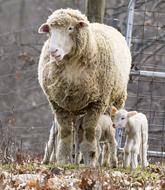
(88, 146)
(127, 152)
(64, 147)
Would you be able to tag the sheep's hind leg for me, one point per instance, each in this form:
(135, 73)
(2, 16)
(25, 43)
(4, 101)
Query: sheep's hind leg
(64, 147)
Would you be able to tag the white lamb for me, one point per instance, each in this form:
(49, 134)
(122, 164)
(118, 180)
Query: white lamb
(106, 142)
(136, 126)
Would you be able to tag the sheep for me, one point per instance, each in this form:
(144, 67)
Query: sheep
(83, 68)
(136, 126)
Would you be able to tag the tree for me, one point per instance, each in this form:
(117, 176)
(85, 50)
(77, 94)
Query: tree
(94, 10)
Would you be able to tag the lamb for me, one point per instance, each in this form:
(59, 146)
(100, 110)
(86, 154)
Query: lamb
(83, 68)
(136, 126)
(105, 134)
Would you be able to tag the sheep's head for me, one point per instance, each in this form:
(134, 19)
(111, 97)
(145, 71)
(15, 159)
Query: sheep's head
(121, 118)
(62, 28)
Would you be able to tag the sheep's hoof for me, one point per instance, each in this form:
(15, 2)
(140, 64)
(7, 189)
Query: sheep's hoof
(114, 164)
(90, 158)
(105, 164)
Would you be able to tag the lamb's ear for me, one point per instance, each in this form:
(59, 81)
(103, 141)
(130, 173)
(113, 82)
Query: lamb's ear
(44, 28)
(132, 113)
(113, 110)
(82, 24)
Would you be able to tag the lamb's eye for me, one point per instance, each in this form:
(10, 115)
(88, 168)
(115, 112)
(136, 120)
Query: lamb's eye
(122, 118)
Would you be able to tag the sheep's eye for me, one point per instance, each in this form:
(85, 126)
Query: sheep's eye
(122, 118)
(70, 28)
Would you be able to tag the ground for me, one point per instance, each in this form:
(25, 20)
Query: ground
(34, 176)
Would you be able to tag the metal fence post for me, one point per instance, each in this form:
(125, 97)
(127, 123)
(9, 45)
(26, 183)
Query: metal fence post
(130, 17)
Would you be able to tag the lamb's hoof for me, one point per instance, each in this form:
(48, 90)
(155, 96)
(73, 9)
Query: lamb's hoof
(146, 165)
(44, 162)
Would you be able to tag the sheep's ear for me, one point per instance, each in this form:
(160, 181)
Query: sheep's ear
(113, 110)
(132, 113)
(44, 28)
(81, 24)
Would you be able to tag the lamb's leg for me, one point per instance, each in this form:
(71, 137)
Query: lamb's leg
(134, 153)
(88, 146)
(50, 145)
(113, 154)
(127, 152)
(78, 155)
(64, 147)
(100, 159)
(77, 138)
(53, 156)
(145, 161)
(143, 154)
(144, 148)
(113, 149)
(105, 155)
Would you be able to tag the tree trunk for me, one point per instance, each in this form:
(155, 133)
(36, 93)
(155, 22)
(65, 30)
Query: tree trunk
(94, 10)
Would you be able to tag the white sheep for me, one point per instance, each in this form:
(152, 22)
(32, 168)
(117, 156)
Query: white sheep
(136, 127)
(83, 68)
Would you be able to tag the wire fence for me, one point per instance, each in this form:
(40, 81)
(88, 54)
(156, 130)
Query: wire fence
(24, 110)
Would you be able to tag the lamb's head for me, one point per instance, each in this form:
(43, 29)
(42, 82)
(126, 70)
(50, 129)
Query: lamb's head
(63, 28)
(121, 117)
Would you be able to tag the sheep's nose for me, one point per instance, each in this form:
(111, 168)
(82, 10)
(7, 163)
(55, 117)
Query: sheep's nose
(113, 125)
